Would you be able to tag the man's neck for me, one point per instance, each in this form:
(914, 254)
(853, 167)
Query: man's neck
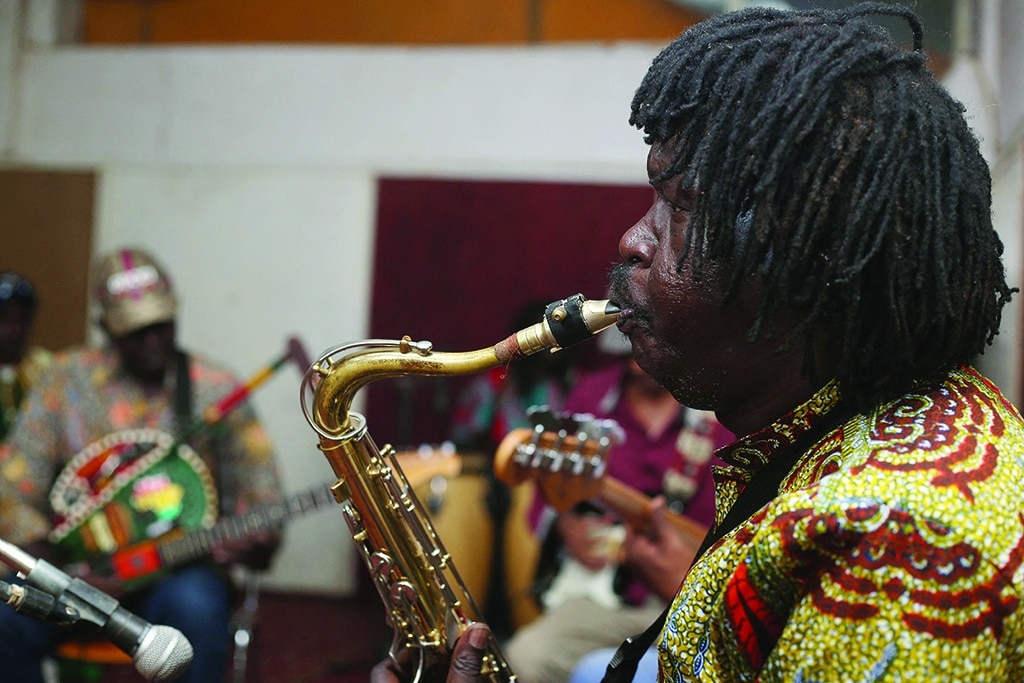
(655, 411)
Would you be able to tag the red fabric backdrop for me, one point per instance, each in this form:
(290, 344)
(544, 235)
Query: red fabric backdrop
(455, 260)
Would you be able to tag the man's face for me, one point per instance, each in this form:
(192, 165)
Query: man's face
(15, 326)
(149, 352)
(680, 333)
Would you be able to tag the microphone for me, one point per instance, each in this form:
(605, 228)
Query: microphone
(160, 653)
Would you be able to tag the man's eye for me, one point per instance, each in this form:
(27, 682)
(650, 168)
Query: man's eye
(681, 207)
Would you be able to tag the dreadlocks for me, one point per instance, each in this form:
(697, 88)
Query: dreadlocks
(833, 165)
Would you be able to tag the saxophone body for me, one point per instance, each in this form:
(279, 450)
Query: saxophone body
(427, 603)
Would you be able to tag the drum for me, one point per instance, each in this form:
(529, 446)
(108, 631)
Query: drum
(463, 511)
(458, 510)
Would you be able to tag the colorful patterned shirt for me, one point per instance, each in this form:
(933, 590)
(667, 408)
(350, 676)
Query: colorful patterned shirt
(85, 395)
(15, 382)
(893, 552)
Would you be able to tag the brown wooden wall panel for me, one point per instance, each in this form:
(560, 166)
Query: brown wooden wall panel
(571, 20)
(468, 22)
(46, 222)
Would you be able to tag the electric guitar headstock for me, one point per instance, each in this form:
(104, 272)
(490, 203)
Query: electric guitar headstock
(566, 454)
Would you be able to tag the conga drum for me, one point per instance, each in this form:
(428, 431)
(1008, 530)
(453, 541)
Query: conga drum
(458, 510)
(522, 551)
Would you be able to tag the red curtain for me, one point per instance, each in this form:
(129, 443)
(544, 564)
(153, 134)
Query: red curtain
(455, 260)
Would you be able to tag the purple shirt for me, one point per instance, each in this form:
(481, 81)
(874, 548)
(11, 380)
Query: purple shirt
(676, 463)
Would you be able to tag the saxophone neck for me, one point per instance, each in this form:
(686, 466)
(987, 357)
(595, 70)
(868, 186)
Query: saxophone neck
(343, 371)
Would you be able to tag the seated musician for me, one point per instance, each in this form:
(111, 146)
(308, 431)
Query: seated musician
(140, 379)
(592, 593)
(20, 362)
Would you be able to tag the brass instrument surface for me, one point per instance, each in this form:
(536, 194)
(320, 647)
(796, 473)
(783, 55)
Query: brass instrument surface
(427, 603)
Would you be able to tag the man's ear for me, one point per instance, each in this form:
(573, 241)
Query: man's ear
(815, 280)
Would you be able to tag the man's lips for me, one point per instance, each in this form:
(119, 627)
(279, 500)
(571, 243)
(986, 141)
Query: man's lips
(626, 321)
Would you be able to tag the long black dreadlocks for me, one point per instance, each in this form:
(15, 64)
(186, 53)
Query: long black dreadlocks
(831, 163)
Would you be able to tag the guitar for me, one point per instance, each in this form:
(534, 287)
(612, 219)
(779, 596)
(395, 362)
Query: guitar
(570, 468)
(140, 562)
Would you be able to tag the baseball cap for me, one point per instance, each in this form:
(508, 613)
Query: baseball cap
(133, 291)
(14, 287)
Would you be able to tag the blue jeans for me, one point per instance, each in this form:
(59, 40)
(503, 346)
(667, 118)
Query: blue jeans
(196, 600)
(591, 668)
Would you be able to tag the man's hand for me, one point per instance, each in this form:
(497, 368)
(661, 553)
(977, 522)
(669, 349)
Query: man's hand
(467, 658)
(255, 551)
(658, 553)
(581, 534)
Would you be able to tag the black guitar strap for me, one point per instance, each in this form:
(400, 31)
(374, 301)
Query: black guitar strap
(182, 394)
(762, 489)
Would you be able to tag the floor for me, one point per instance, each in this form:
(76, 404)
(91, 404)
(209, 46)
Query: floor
(295, 639)
(313, 639)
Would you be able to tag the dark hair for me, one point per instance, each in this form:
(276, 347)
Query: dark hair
(16, 287)
(830, 162)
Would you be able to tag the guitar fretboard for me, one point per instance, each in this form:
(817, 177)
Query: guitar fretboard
(197, 544)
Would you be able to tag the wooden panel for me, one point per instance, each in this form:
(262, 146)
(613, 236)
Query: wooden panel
(571, 20)
(379, 21)
(46, 220)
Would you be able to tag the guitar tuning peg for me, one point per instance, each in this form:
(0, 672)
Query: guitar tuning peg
(612, 431)
(542, 418)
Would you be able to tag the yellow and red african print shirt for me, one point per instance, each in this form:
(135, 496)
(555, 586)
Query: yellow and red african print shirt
(893, 552)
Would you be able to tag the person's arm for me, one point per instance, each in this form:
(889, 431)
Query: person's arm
(248, 478)
(658, 553)
(28, 461)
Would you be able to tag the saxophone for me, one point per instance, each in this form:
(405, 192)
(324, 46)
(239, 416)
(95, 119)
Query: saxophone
(427, 603)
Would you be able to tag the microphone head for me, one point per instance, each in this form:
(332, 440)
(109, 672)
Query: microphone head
(163, 654)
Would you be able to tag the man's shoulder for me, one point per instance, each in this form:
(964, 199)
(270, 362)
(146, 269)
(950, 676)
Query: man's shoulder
(965, 405)
(209, 371)
(76, 359)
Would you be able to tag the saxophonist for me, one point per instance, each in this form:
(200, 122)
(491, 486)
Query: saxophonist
(819, 267)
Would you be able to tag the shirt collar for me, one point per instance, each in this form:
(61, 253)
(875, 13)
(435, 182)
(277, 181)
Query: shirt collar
(754, 450)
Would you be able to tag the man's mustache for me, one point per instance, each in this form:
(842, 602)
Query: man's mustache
(618, 286)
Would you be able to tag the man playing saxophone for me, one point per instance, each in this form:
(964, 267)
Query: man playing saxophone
(819, 267)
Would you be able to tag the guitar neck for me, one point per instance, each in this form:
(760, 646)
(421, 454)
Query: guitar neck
(635, 507)
(197, 544)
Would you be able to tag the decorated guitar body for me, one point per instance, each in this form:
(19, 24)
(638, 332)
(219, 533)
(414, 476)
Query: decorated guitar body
(130, 485)
(137, 504)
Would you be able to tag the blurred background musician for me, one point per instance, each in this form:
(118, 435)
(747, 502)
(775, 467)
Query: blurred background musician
(592, 595)
(140, 379)
(20, 363)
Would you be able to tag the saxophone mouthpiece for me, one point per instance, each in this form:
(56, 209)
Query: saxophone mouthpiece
(575, 319)
(566, 323)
